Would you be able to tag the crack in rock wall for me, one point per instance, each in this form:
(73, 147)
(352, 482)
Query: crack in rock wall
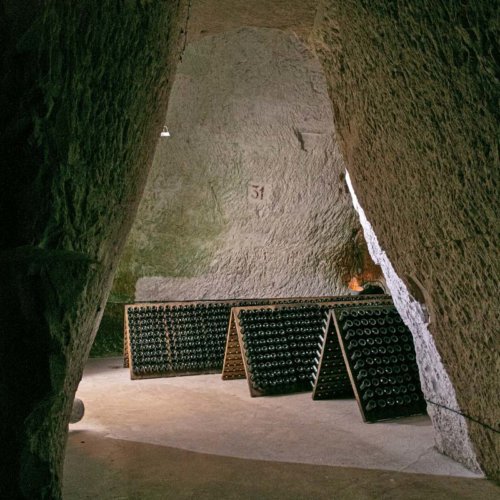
(247, 196)
(450, 429)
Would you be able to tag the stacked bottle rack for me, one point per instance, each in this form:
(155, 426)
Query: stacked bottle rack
(330, 376)
(171, 339)
(274, 347)
(276, 344)
(379, 355)
(182, 338)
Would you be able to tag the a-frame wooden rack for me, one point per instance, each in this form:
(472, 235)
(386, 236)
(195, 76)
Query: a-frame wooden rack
(379, 355)
(239, 363)
(331, 378)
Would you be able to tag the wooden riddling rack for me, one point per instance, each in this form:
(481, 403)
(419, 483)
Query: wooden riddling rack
(379, 357)
(274, 346)
(330, 375)
(164, 339)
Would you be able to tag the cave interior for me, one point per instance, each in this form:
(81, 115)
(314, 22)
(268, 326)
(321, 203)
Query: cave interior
(314, 147)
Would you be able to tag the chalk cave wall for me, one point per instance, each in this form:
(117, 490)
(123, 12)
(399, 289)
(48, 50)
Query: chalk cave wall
(247, 197)
(83, 94)
(415, 90)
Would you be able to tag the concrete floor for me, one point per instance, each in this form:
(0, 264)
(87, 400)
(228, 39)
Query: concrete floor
(197, 426)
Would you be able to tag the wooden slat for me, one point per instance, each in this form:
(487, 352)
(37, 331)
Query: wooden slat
(233, 367)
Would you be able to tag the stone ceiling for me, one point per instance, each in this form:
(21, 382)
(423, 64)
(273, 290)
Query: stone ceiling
(209, 17)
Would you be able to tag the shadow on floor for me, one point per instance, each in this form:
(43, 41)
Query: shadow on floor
(97, 467)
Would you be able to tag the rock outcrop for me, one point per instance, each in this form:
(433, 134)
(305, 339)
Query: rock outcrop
(83, 95)
(415, 90)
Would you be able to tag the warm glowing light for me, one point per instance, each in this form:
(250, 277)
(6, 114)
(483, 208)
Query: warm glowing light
(355, 285)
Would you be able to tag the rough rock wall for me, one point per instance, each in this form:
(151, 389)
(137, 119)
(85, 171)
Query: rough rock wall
(415, 90)
(249, 110)
(450, 429)
(83, 94)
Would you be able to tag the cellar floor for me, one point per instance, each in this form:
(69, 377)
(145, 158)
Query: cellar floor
(201, 437)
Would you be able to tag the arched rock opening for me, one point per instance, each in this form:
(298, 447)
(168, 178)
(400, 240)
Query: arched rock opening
(415, 93)
(450, 428)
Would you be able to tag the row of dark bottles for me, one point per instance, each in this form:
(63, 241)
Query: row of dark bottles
(372, 322)
(280, 383)
(292, 333)
(256, 365)
(391, 402)
(266, 318)
(145, 339)
(255, 346)
(388, 341)
(362, 311)
(223, 307)
(187, 310)
(155, 351)
(394, 359)
(205, 316)
(261, 346)
(194, 356)
(196, 333)
(151, 368)
(208, 338)
(400, 332)
(201, 353)
(144, 366)
(204, 339)
(271, 355)
(388, 391)
(388, 375)
(139, 326)
(382, 359)
(139, 322)
(195, 366)
(151, 361)
(280, 345)
(194, 336)
(379, 347)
